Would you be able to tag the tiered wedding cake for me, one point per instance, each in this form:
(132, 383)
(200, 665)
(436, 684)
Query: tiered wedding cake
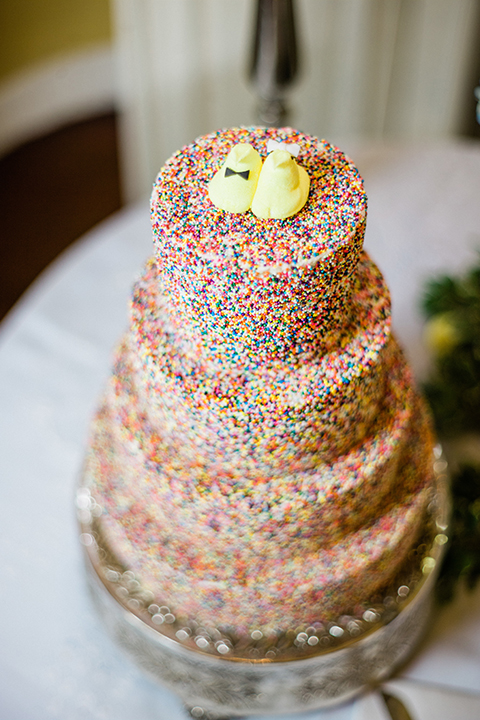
(261, 457)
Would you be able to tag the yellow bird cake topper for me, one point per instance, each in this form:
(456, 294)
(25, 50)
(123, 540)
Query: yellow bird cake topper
(278, 189)
(233, 186)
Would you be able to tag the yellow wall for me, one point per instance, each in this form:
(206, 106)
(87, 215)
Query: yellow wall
(32, 31)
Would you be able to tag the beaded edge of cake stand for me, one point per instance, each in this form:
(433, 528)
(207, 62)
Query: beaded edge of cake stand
(303, 641)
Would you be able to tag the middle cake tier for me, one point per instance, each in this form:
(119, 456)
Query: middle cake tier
(287, 414)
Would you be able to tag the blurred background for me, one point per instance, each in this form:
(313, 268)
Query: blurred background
(96, 94)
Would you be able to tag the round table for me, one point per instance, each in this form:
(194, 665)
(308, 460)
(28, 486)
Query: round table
(55, 353)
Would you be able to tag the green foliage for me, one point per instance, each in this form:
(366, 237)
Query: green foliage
(447, 294)
(454, 387)
(453, 391)
(462, 560)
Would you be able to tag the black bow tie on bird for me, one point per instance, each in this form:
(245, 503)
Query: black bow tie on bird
(243, 173)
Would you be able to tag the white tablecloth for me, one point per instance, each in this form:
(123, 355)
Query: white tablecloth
(55, 353)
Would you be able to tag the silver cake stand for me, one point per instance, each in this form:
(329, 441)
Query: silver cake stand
(218, 674)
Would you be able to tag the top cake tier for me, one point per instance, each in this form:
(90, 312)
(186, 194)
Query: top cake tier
(250, 289)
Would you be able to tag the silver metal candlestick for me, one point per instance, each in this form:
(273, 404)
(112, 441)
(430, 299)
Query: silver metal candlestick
(274, 62)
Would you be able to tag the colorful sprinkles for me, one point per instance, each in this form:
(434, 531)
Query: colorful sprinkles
(261, 456)
(250, 288)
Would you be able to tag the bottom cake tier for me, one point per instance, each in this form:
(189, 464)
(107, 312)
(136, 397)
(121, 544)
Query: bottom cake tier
(297, 668)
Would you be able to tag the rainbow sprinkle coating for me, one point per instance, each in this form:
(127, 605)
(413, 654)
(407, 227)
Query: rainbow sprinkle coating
(261, 455)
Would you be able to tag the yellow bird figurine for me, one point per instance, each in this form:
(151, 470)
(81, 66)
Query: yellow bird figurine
(282, 188)
(233, 186)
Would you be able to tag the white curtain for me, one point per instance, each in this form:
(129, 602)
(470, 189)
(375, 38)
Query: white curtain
(372, 69)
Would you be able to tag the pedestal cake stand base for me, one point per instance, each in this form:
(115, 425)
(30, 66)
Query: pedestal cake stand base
(302, 669)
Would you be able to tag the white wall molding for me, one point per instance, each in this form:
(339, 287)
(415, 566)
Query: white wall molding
(63, 89)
